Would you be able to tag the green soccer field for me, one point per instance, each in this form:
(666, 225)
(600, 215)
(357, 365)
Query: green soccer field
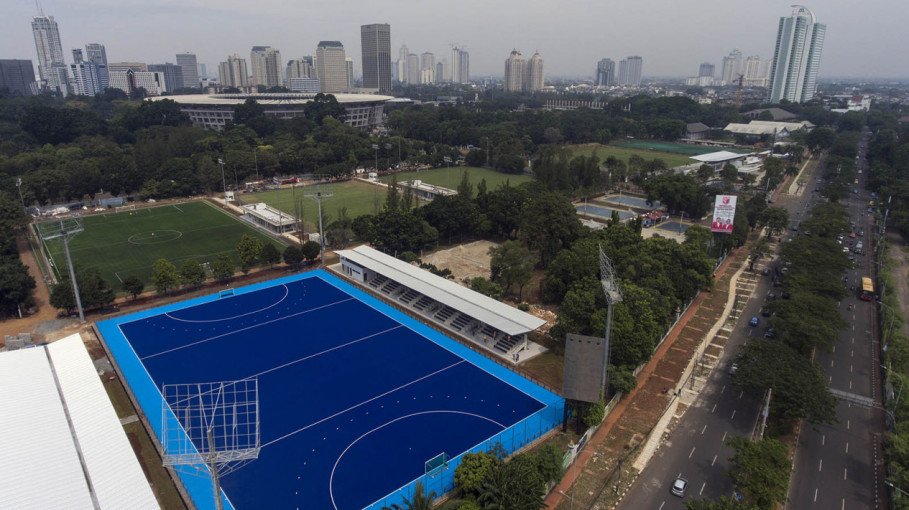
(623, 153)
(442, 177)
(120, 244)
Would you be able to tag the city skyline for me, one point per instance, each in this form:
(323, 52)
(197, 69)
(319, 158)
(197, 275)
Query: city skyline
(296, 31)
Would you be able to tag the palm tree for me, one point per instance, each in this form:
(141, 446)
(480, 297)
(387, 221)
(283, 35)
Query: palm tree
(420, 500)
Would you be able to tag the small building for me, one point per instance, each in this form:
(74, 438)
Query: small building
(269, 218)
(778, 114)
(759, 128)
(697, 131)
(719, 159)
(426, 191)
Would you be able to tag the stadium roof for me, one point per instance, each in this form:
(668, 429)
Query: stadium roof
(509, 320)
(266, 99)
(719, 156)
(63, 445)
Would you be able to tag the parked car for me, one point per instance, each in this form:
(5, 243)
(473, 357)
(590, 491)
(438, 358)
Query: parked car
(753, 322)
(770, 333)
(765, 312)
(679, 486)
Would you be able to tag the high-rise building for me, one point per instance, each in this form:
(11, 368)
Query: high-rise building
(732, 67)
(187, 61)
(427, 67)
(232, 73)
(348, 65)
(706, 70)
(51, 66)
(18, 76)
(331, 66)
(630, 71)
(605, 76)
(402, 63)
(413, 69)
(756, 71)
(514, 72)
(534, 77)
(460, 66)
(86, 74)
(266, 66)
(96, 53)
(173, 75)
(376, 47)
(300, 68)
(796, 57)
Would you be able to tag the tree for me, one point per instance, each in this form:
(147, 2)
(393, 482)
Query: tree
(419, 501)
(730, 174)
(473, 471)
(311, 250)
(820, 139)
(799, 388)
(548, 224)
(16, 286)
(758, 251)
(511, 264)
(192, 273)
(94, 291)
(293, 256)
(775, 219)
(62, 296)
(704, 173)
(222, 267)
(760, 470)
(549, 462)
(723, 504)
(133, 285)
(270, 254)
(164, 275)
(517, 485)
(248, 250)
(486, 287)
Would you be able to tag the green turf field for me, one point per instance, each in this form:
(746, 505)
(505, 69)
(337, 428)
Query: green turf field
(624, 153)
(676, 148)
(128, 243)
(441, 177)
(359, 198)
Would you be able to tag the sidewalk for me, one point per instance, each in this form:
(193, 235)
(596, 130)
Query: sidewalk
(622, 433)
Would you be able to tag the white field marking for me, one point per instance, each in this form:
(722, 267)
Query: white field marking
(177, 208)
(206, 321)
(246, 328)
(313, 424)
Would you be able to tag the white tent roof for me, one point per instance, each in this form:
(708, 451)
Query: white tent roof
(52, 410)
(483, 308)
(719, 156)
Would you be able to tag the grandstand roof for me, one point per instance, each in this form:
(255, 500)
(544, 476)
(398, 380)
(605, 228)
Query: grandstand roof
(719, 156)
(483, 308)
(63, 445)
(268, 99)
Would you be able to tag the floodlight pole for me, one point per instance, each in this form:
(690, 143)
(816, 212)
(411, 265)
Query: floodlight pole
(213, 466)
(72, 274)
(613, 295)
(223, 182)
(321, 233)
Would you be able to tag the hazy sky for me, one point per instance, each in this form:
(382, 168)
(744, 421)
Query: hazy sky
(864, 39)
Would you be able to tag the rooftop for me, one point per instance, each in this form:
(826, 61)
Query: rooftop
(278, 98)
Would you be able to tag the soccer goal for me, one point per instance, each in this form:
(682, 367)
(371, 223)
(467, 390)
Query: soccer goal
(125, 208)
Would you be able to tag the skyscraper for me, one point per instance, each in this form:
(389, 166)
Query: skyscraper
(756, 71)
(232, 73)
(460, 66)
(514, 72)
(18, 76)
(796, 57)
(533, 80)
(266, 66)
(605, 76)
(331, 66)
(301, 68)
(51, 66)
(427, 67)
(348, 65)
(187, 61)
(630, 71)
(173, 75)
(96, 53)
(413, 69)
(376, 46)
(706, 70)
(86, 76)
(732, 67)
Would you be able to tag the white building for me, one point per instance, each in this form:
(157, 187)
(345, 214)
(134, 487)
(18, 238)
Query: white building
(266, 66)
(331, 65)
(797, 57)
(233, 73)
(534, 78)
(514, 72)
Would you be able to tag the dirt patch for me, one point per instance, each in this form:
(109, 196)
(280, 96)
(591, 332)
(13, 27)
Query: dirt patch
(464, 260)
(897, 253)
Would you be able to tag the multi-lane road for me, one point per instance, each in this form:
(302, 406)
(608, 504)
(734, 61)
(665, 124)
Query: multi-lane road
(833, 464)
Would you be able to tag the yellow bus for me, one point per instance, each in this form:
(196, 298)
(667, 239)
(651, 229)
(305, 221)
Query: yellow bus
(867, 289)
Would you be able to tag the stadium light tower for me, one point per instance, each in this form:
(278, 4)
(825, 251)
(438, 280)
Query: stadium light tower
(613, 296)
(65, 231)
(223, 182)
(320, 191)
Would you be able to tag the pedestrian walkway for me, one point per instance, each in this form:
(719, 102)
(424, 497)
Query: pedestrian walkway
(603, 469)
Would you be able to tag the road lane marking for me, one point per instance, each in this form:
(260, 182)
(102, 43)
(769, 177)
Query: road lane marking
(831, 363)
(852, 355)
(850, 384)
(662, 504)
(724, 437)
(830, 379)
(823, 439)
(848, 423)
(834, 348)
(703, 429)
(733, 415)
(714, 409)
(844, 473)
(714, 461)
(820, 464)
(815, 495)
(702, 489)
(692, 452)
(722, 389)
(850, 369)
(847, 447)
(742, 394)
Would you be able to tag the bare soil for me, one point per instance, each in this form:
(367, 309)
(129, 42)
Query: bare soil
(897, 252)
(464, 260)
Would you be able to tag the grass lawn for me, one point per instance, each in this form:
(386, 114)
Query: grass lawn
(359, 197)
(441, 177)
(128, 242)
(623, 153)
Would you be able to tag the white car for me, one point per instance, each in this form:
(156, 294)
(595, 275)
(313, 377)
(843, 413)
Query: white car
(679, 486)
